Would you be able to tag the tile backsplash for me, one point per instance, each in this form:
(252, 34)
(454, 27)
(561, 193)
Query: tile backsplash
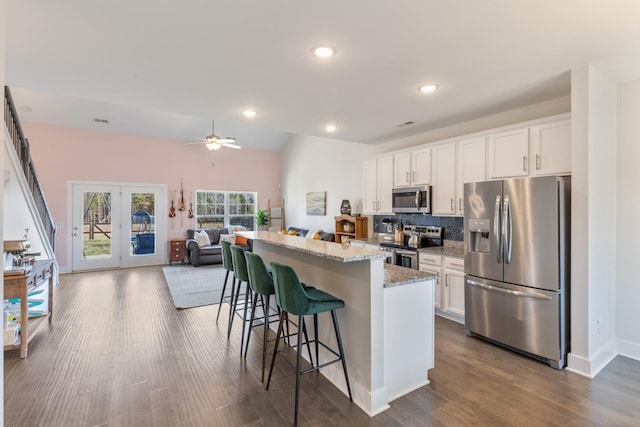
(453, 226)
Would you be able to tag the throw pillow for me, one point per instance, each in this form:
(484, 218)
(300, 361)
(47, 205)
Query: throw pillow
(231, 238)
(292, 233)
(241, 240)
(202, 238)
(316, 236)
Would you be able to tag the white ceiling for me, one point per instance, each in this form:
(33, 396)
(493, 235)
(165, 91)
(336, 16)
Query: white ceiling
(166, 68)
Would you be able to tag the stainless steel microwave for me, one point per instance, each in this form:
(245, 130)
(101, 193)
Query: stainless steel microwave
(411, 199)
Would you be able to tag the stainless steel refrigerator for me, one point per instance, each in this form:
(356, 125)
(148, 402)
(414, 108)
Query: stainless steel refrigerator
(517, 269)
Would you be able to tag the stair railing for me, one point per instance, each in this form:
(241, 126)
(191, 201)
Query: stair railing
(21, 145)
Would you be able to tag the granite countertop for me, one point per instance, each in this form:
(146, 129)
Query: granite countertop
(328, 250)
(454, 251)
(397, 276)
(450, 248)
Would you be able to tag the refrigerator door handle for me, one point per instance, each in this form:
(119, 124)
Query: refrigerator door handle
(507, 229)
(533, 295)
(496, 229)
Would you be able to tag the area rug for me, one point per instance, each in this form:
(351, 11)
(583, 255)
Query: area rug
(195, 286)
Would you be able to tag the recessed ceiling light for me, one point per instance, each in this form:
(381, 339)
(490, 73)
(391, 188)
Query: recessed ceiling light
(428, 88)
(323, 51)
(26, 108)
(249, 113)
(331, 128)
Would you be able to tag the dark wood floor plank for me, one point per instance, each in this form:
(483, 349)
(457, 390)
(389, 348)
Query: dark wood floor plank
(119, 354)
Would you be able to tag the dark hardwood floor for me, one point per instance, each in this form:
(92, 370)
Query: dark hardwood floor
(119, 354)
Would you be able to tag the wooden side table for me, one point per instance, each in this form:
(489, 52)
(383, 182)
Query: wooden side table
(177, 250)
(18, 286)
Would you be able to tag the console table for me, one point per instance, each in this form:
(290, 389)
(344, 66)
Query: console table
(18, 286)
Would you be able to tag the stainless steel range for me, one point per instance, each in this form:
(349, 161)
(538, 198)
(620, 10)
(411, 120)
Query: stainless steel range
(405, 253)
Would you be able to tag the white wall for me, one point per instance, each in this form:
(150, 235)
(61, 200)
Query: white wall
(321, 164)
(593, 221)
(628, 230)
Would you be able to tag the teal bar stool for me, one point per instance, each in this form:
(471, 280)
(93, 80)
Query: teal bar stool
(240, 306)
(261, 283)
(294, 299)
(227, 263)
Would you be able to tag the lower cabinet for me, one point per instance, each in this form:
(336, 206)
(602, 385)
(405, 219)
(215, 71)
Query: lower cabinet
(453, 272)
(449, 284)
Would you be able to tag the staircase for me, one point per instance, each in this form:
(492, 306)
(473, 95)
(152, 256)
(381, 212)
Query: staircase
(32, 191)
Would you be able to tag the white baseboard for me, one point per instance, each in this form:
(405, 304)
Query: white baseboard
(628, 349)
(591, 367)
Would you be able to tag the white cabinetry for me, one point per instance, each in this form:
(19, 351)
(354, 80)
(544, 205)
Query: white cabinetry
(471, 167)
(453, 286)
(378, 184)
(454, 165)
(432, 264)
(444, 198)
(449, 284)
(551, 148)
(412, 168)
(509, 154)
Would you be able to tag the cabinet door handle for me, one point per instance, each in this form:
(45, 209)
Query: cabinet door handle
(446, 280)
(524, 163)
(460, 204)
(407, 178)
(452, 206)
(537, 162)
(414, 176)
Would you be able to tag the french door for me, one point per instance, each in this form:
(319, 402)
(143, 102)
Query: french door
(117, 225)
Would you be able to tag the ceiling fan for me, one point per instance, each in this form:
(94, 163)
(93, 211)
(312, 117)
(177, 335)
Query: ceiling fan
(214, 142)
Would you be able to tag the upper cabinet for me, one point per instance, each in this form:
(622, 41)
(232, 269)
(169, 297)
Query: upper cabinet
(454, 165)
(508, 154)
(538, 150)
(551, 148)
(378, 185)
(412, 168)
(443, 197)
(471, 166)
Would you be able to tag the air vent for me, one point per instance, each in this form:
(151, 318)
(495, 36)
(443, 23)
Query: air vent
(401, 125)
(101, 120)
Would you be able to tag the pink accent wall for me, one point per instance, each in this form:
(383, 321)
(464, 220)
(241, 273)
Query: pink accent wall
(65, 154)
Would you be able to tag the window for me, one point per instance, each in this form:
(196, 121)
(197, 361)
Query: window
(225, 209)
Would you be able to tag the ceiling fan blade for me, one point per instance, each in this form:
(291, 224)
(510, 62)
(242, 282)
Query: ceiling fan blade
(226, 140)
(231, 145)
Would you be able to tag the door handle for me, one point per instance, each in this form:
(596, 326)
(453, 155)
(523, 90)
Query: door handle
(407, 178)
(537, 162)
(524, 163)
(460, 204)
(496, 229)
(414, 176)
(507, 228)
(508, 291)
(452, 207)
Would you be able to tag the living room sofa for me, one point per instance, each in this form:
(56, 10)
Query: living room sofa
(212, 253)
(302, 232)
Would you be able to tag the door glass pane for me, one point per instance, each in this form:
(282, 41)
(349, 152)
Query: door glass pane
(142, 233)
(96, 225)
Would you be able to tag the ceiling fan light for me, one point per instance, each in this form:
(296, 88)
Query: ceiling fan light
(213, 146)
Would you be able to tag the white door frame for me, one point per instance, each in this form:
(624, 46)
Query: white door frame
(124, 258)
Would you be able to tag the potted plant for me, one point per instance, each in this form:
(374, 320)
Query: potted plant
(262, 218)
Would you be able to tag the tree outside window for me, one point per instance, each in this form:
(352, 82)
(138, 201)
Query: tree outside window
(225, 209)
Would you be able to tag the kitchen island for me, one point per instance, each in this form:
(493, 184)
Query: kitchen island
(387, 324)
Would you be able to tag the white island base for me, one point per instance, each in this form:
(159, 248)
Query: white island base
(387, 330)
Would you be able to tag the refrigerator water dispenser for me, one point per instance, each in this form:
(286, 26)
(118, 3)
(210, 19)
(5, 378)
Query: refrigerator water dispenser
(479, 235)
